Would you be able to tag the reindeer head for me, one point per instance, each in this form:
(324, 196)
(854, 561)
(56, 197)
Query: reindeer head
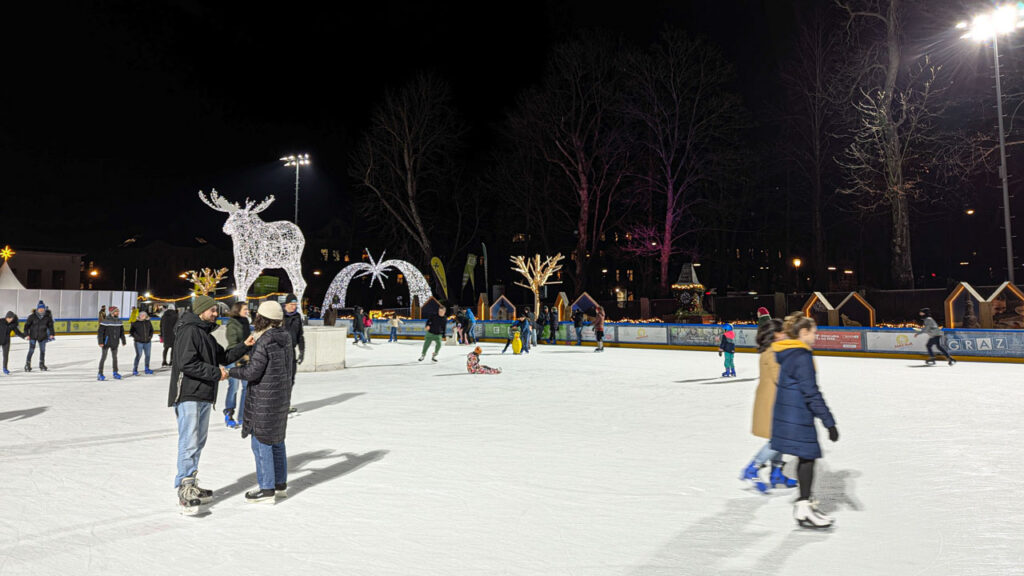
(239, 217)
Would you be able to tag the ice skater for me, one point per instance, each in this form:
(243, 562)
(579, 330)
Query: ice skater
(8, 326)
(39, 328)
(577, 324)
(727, 347)
(934, 332)
(141, 332)
(110, 336)
(599, 327)
(395, 323)
(553, 325)
(513, 329)
(436, 326)
(168, 321)
(269, 374)
(473, 365)
(798, 402)
(764, 401)
(237, 331)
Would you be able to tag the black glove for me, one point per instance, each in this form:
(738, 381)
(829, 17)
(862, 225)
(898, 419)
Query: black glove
(719, 353)
(300, 357)
(833, 434)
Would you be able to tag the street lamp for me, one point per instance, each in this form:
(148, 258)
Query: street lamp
(296, 160)
(1002, 20)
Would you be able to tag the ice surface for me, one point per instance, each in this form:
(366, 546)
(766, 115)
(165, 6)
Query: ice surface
(569, 463)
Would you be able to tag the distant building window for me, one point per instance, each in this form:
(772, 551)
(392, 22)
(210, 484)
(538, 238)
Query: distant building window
(35, 279)
(337, 255)
(520, 237)
(57, 280)
(629, 274)
(323, 252)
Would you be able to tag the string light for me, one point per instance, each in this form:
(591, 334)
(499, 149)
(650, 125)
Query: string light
(418, 286)
(6, 253)
(259, 245)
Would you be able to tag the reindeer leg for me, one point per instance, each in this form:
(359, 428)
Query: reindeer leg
(295, 276)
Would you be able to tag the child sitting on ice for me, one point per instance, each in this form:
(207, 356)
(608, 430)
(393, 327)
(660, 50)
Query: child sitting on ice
(474, 366)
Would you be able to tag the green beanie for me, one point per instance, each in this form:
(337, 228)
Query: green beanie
(202, 304)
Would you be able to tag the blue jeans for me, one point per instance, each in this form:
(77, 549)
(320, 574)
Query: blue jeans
(579, 335)
(229, 402)
(271, 463)
(193, 425)
(394, 335)
(32, 348)
(140, 348)
(472, 333)
(765, 454)
(525, 336)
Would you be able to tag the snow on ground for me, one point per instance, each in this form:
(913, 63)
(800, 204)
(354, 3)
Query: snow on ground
(569, 463)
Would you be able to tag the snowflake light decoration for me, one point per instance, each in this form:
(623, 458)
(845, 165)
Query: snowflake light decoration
(259, 245)
(418, 286)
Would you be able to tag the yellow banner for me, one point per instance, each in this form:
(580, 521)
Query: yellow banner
(435, 263)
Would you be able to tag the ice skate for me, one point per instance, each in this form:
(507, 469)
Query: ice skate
(930, 361)
(229, 419)
(433, 358)
(726, 373)
(135, 372)
(749, 474)
(188, 497)
(203, 495)
(732, 372)
(117, 376)
(101, 377)
(28, 367)
(148, 372)
(6, 372)
(42, 367)
(952, 361)
(281, 490)
(777, 478)
(421, 358)
(254, 496)
(807, 515)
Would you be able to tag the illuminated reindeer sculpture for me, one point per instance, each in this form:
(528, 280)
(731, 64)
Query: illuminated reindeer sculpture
(260, 245)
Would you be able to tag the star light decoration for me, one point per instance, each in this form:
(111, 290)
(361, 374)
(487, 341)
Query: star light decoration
(418, 286)
(259, 245)
(7, 253)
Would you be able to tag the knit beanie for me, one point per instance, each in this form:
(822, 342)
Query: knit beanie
(270, 310)
(40, 305)
(114, 311)
(291, 298)
(202, 303)
(763, 317)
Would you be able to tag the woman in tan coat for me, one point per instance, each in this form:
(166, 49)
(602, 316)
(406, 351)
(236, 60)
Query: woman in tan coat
(764, 403)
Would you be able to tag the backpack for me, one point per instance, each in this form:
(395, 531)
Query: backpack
(367, 322)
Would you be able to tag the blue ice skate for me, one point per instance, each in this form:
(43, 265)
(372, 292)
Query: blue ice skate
(750, 475)
(732, 372)
(6, 372)
(100, 377)
(779, 479)
(726, 373)
(149, 372)
(117, 376)
(135, 372)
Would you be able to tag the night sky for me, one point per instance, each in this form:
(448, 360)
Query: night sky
(116, 113)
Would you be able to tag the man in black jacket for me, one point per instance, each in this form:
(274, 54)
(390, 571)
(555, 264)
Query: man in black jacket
(8, 325)
(39, 328)
(293, 324)
(167, 323)
(435, 333)
(577, 323)
(110, 335)
(196, 367)
(142, 332)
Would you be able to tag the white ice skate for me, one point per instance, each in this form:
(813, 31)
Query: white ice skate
(806, 514)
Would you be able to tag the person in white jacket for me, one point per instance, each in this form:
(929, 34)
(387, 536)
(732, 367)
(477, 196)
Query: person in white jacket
(394, 323)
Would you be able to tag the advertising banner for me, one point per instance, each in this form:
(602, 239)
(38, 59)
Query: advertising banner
(849, 340)
(746, 336)
(984, 343)
(895, 342)
(84, 326)
(642, 334)
(692, 335)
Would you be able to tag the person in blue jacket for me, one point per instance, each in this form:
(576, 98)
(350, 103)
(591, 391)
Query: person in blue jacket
(798, 401)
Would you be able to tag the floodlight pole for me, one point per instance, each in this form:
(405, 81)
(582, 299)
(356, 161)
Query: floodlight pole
(297, 190)
(1002, 163)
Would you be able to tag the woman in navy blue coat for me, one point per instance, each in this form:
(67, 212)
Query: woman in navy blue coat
(798, 401)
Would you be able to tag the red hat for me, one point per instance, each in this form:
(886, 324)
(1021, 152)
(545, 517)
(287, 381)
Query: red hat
(114, 310)
(762, 311)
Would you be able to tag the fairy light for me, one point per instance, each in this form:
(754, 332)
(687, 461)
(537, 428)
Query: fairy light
(259, 245)
(418, 286)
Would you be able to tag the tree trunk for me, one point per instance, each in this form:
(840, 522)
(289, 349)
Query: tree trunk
(581, 240)
(820, 273)
(902, 269)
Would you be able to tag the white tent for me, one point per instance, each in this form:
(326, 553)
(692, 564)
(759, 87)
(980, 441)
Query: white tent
(8, 281)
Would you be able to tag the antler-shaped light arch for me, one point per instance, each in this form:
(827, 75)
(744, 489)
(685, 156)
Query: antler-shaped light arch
(418, 286)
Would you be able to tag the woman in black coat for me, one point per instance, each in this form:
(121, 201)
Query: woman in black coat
(167, 325)
(8, 325)
(269, 373)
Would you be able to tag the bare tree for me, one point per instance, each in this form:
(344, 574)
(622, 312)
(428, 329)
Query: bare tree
(404, 160)
(894, 143)
(574, 122)
(688, 124)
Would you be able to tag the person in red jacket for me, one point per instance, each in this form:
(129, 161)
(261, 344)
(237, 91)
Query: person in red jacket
(599, 328)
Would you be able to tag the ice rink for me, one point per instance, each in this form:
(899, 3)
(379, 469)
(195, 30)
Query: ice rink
(624, 463)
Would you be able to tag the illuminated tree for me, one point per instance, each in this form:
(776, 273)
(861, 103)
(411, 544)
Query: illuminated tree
(537, 273)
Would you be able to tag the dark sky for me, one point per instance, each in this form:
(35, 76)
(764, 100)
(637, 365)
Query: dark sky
(116, 113)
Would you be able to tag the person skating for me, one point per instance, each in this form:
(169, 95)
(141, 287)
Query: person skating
(473, 365)
(358, 325)
(197, 366)
(472, 326)
(237, 330)
(8, 325)
(394, 323)
(39, 329)
(934, 332)
(798, 401)
(436, 326)
(727, 347)
(141, 332)
(764, 403)
(577, 324)
(763, 317)
(599, 316)
(531, 327)
(513, 328)
(553, 325)
(103, 314)
(168, 321)
(269, 372)
(110, 336)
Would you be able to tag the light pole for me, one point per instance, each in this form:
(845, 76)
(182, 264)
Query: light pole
(296, 160)
(1003, 20)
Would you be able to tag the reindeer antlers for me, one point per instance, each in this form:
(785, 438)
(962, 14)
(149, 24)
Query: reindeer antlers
(218, 202)
(221, 204)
